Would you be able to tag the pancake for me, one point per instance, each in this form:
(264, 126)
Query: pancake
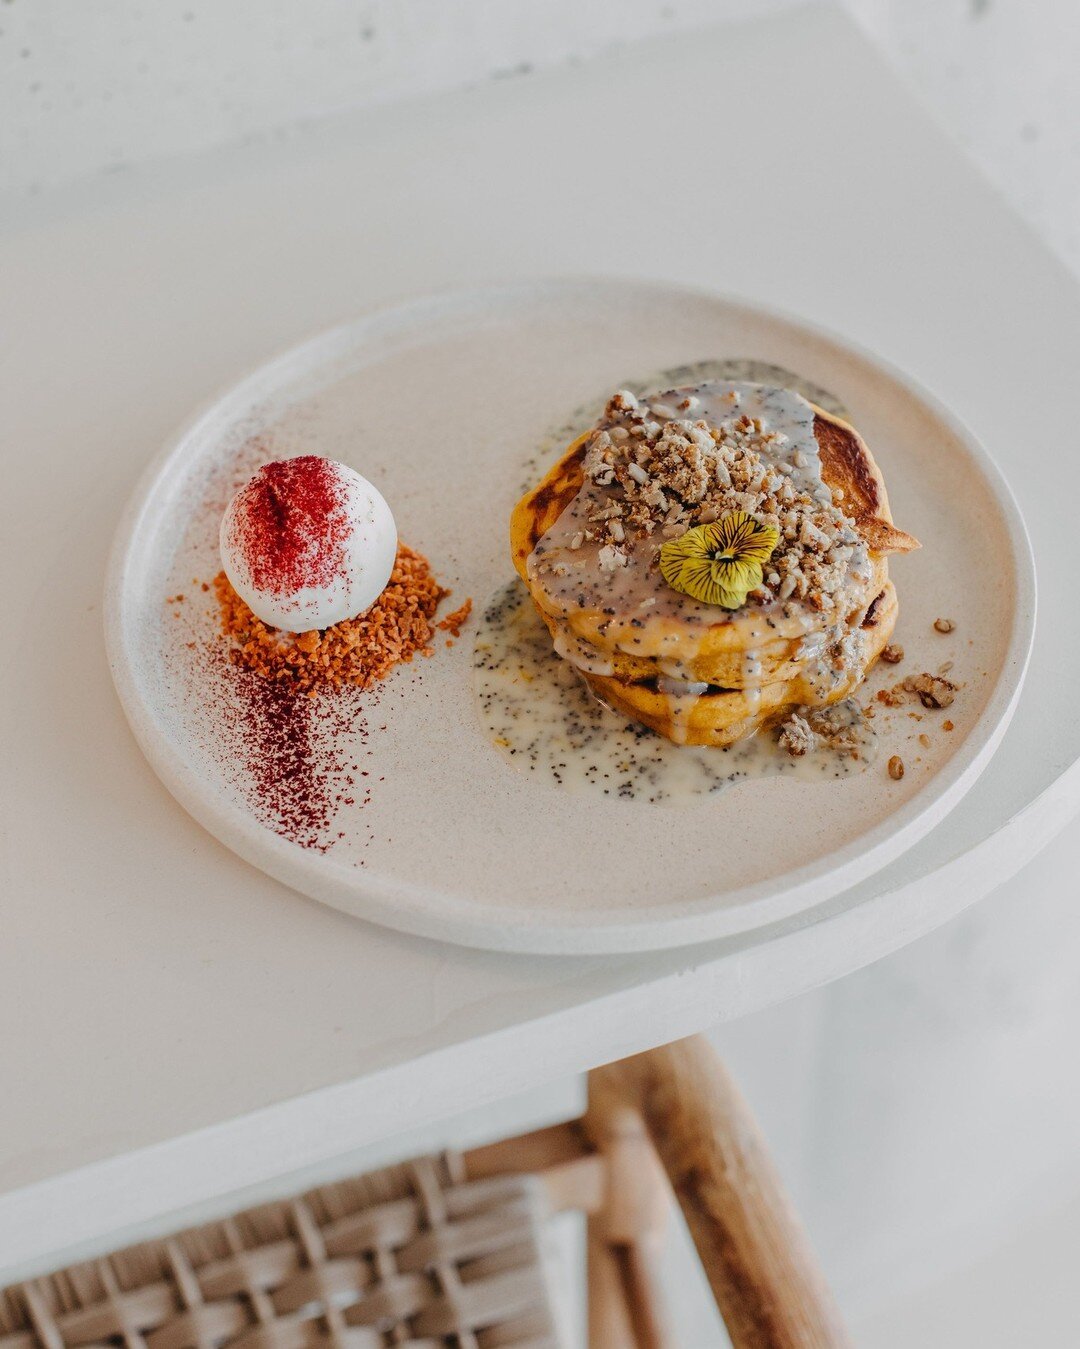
(728, 667)
(715, 658)
(774, 653)
(718, 716)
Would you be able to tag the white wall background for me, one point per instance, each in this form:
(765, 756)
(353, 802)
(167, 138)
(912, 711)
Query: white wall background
(1002, 77)
(90, 88)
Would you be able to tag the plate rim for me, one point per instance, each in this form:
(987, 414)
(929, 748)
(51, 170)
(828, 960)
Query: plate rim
(414, 909)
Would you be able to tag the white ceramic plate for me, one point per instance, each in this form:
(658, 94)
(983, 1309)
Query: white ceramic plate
(443, 403)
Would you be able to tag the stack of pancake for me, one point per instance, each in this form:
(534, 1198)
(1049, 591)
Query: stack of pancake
(718, 681)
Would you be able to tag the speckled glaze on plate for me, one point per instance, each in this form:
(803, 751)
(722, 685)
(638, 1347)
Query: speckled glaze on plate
(443, 403)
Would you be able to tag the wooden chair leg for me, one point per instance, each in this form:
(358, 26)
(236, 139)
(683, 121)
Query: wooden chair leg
(628, 1233)
(608, 1311)
(763, 1274)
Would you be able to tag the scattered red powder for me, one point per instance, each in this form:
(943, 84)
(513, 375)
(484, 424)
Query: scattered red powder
(292, 750)
(291, 526)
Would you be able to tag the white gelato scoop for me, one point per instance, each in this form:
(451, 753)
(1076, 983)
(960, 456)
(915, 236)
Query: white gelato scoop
(308, 543)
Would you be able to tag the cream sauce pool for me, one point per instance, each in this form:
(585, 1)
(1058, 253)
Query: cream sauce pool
(543, 719)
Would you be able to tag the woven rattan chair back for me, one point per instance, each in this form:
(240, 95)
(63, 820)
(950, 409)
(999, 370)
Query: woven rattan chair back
(414, 1256)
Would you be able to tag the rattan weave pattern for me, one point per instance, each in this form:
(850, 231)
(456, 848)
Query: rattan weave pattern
(413, 1256)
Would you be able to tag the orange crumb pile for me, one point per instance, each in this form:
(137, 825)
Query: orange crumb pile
(360, 651)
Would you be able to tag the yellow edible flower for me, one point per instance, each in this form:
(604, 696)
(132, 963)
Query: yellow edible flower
(719, 563)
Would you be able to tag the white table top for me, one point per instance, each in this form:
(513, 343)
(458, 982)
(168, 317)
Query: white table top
(177, 1026)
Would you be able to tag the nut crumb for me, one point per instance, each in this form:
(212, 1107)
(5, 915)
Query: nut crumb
(947, 726)
(453, 623)
(932, 691)
(896, 768)
(924, 740)
(892, 654)
(943, 625)
(796, 736)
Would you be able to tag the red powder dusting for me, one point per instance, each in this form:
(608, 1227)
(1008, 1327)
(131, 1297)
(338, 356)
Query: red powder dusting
(291, 748)
(291, 525)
